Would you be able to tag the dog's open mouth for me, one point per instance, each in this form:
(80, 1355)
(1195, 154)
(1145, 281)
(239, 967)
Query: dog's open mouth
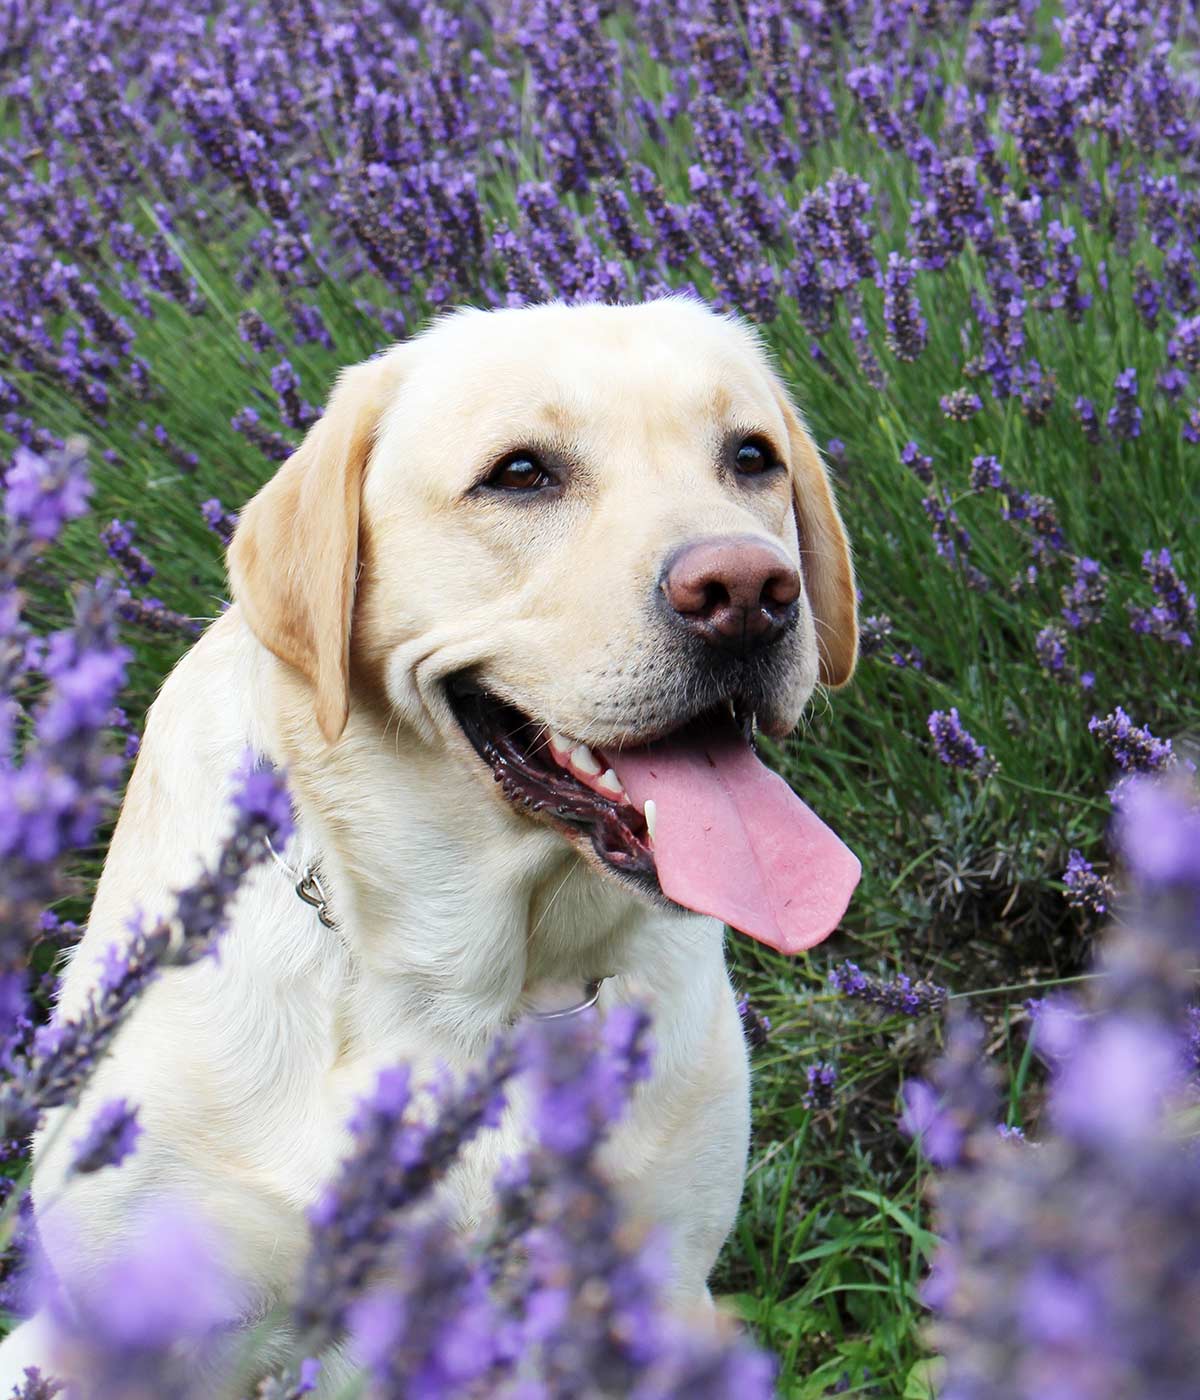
(694, 814)
(567, 782)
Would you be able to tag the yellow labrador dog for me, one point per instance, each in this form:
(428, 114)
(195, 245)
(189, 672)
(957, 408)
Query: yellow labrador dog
(577, 550)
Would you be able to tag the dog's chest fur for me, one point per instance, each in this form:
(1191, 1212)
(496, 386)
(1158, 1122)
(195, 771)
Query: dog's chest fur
(450, 913)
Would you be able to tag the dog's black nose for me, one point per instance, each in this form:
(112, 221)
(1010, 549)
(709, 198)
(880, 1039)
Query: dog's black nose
(736, 592)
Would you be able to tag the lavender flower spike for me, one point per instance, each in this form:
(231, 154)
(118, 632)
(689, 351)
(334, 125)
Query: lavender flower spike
(1135, 749)
(907, 329)
(111, 1138)
(65, 1052)
(902, 996)
(396, 1159)
(41, 494)
(956, 747)
(1173, 617)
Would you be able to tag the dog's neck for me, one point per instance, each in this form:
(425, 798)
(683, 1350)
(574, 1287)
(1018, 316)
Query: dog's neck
(456, 909)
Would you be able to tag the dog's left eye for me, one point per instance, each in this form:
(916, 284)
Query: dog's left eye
(520, 471)
(754, 457)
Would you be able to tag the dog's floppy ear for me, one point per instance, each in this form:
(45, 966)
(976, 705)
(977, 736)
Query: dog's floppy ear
(824, 553)
(294, 555)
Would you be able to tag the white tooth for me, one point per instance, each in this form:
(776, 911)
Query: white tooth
(651, 816)
(560, 746)
(583, 759)
(611, 783)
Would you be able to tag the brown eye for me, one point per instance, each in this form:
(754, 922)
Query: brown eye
(520, 471)
(754, 457)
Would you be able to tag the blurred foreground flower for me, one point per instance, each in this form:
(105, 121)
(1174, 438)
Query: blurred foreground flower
(558, 1294)
(1070, 1267)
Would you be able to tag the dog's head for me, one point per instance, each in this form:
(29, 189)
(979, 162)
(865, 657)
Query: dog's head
(554, 536)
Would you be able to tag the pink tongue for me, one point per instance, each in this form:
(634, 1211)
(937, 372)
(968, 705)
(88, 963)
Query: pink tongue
(733, 840)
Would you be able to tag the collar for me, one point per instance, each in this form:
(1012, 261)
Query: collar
(308, 887)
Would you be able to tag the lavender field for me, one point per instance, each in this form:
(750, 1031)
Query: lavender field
(970, 235)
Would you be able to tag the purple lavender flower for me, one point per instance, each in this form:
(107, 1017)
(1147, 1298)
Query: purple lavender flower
(295, 411)
(939, 1113)
(1050, 646)
(1184, 344)
(822, 1085)
(220, 521)
(274, 446)
(257, 333)
(53, 797)
(986, 474)
(874, 633)
(954, 746)
(1040, 515)
(1089, 421)
(1095, 1285)
(1085, 888)
(907, 329)
(951, 539)
(1125, 417)
(442, 1334)
(37, 1387)
(396, 1159)
(41, 494)
(1172, 383)
(1135, 749)
(901, 996)
(1083, 599)
(65, 1051)
(1172, 619)
(961, 405)
(1066, 267)
(920, 465)
(756, 1026)
(1158, 831)
(150, 1321)
(153, 615)
(111, 1138)
(117, 538)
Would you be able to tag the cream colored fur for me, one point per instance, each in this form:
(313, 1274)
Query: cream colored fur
(370, 569)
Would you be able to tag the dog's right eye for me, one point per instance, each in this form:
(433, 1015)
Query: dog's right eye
(520, 471)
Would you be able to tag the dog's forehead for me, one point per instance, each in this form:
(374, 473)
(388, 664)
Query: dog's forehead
(670, 366)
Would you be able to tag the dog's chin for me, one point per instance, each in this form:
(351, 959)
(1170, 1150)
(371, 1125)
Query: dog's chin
(550, 781)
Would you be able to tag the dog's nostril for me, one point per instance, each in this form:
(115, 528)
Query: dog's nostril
(734, 591)
(715, 595)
